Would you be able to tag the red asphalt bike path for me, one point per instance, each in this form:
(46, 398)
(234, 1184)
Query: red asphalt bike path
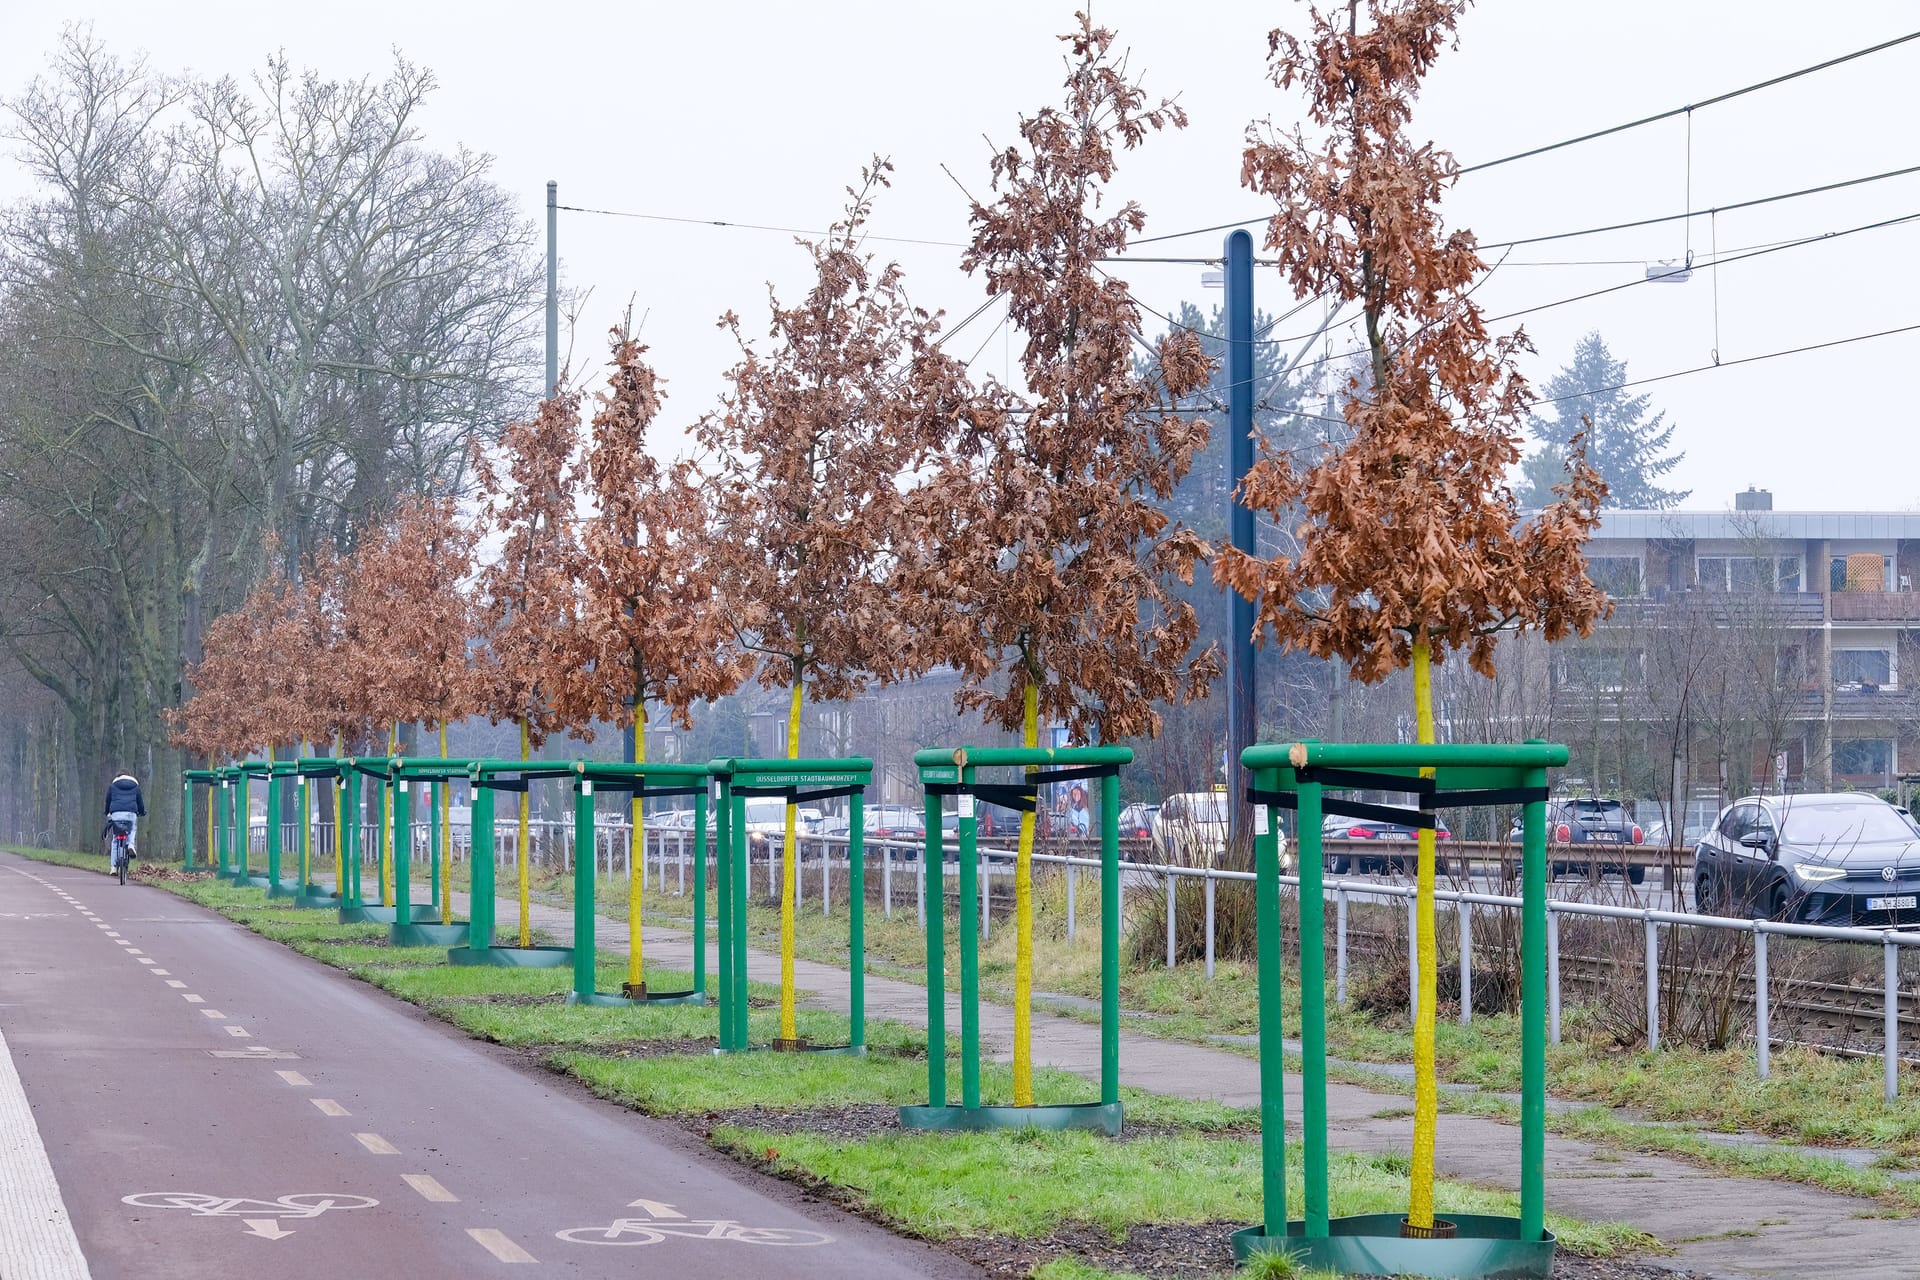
(270, 1115)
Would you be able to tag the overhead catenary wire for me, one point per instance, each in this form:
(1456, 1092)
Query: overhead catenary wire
(1684, 109)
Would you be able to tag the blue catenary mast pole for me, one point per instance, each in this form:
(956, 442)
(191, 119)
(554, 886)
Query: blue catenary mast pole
(1242, 714)
(553, 288)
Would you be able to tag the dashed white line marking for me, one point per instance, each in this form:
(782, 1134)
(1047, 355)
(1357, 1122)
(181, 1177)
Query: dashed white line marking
(112, 934)
(172, 982)
(238, 1031)
(429, 1188)
(376, 1144)
(295, 1079)
(147, 960)
(496, 1243)
(213, 1013)
(328, 1107)
(193, 999)
(160, 972)
(36, 1235)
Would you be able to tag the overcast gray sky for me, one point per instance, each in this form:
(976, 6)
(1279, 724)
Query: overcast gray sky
(762, 112)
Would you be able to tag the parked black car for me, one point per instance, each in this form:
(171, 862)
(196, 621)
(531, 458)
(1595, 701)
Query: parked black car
(1578, 830)
(1366, 829)
(1845, 858)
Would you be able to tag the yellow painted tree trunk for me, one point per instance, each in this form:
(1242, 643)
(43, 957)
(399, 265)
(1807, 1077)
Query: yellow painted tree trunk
(304, 790)
(446, 838)
(520, 847)
(339, 817)
(386, 825)
(790, 878)
(1023, 928)
(1426, 1091)
(637, 862)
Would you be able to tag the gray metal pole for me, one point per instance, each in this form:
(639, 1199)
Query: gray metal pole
(1891, 995)
(1463, 912)
(1553, 975)
(1762, 1033)
(1209, 883)
(1170, 880)
(1653, 986)
(553, 287)
(1340, 947)
(1242, 706)
(1070, 904)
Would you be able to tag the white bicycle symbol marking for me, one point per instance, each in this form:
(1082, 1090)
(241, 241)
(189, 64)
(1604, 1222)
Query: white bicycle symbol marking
(308, 1205)
(632, 1231)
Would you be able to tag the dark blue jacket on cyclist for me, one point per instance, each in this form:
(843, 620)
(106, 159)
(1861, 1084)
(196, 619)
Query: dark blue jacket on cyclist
(123, 796)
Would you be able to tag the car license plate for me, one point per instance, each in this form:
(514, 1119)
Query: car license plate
(1611, 837)
(1905, 902)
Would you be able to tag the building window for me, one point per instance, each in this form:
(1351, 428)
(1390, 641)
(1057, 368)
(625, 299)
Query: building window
(1748, 573)
(1858, 757)
(1597, 670)
(1864, 668)
(1863, 571)
(1618, 576)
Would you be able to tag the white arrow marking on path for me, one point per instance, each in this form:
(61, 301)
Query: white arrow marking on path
(656, 1210)
(266, 1229)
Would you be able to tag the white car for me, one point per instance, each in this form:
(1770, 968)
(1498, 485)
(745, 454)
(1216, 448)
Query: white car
(1191, 829)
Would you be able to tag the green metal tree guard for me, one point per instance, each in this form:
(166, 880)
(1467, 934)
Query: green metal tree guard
(794, 781)
(190, 779)
(637, 780)
(417, 777)
(311, 894)
(944, 772)
(223, 821)
(383, 912)
(1297, 776)
(489, 777)
(242, 812)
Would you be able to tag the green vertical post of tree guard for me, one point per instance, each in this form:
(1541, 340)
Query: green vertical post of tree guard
(221, 823)
(970, 957)
(186, 822)
(1110, 939)
(583, 875)
(402, 838)
(242, 827)
(742, 873)
(1313, 998)
(1533, 1012)
(480, 854)
(700, 892)
(723, 905)
(857, 918)
(274, 848)
(433, 841)
(1273, 1077)
(306, 830)
(348, 841)
(933, 882)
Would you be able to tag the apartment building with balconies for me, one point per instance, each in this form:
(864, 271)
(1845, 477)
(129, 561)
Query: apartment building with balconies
(1813, 616)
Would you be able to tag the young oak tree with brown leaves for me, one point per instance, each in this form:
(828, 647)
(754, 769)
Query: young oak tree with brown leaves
(412, 618)
(808, 458)
(651, 627)
(529, 595)
(1044, 529)
(1410, 541)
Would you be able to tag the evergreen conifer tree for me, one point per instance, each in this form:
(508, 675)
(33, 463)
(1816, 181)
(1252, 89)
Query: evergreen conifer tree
(1627, 448)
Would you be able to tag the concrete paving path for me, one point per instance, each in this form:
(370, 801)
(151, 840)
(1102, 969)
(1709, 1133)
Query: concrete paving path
(181, 1098)
(1751, 1226)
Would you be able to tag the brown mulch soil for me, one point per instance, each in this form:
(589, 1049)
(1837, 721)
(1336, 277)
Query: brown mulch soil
(853, 1121)
(1184, 1251)
(174, 875)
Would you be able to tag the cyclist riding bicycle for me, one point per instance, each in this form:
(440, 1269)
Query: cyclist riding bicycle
(125, 807)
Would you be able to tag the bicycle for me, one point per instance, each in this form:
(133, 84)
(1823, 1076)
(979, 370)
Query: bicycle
(122, 852)
(637, 1231)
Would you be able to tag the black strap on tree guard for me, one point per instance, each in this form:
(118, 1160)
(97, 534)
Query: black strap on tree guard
(501, 784)
(618, 783)
(793, 794)
(330, 771)
(1428, 791)
(1022, 796)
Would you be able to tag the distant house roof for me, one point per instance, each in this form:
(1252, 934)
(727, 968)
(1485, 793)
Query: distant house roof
(1733, 525)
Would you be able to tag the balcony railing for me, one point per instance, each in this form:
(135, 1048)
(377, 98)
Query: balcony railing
(1876, 606)
(1722, 608)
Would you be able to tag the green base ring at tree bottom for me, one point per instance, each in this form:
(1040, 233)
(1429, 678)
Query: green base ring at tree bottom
(318, 899)
(512, 957)
(1370, 1244)
(1102, 1117)
(601, 1000)
(384, 915)
(290, 889)
(426, 935)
